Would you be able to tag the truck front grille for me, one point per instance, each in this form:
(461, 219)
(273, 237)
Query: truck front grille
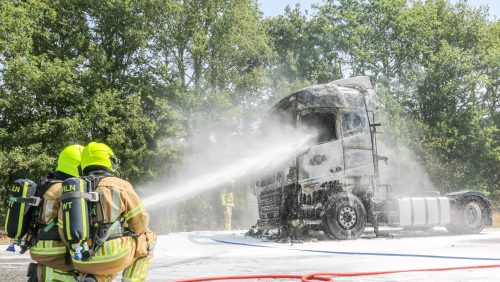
(270, 202)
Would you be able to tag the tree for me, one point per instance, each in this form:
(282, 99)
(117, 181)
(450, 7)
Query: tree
(306, 50)
(214, 50)
(126, 105)
(39, 93)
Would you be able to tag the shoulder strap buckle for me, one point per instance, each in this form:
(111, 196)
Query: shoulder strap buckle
(35, 201)
(32, 201)
(94, 197)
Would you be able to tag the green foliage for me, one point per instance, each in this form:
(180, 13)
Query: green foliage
(302, 47)
(215, 52)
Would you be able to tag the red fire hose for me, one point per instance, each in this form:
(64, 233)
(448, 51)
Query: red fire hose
(327, 275)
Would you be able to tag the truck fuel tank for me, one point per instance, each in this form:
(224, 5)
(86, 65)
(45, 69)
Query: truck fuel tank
(421, 211)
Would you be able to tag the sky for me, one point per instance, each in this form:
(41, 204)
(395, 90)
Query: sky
(276, 7)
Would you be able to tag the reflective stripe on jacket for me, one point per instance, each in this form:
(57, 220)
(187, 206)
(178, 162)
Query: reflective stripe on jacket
(51, 252)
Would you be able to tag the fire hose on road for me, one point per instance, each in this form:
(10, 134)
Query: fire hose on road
(328, 276)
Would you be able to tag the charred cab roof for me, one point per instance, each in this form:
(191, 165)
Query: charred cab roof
(344, 93)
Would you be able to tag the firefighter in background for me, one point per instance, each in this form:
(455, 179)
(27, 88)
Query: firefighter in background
(129, 247)
(227, 201)
(49, 251)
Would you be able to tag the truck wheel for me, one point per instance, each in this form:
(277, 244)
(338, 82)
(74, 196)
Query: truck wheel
(345, 217)
(471, 217)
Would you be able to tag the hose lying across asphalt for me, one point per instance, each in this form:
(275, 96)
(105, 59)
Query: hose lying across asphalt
(327, 276)
(362, 253)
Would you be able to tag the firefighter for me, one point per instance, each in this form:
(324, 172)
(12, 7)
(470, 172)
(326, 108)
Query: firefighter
(127, 247)
(227, 201)
(49, 251)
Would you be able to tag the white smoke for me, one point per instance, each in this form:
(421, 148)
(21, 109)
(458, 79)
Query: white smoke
(403, 172)
(220, 161)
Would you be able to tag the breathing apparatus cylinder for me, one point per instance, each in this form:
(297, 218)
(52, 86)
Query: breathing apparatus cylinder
(76, 222)
(19, 210)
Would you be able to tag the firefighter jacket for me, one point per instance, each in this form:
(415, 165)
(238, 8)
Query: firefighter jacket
(118, 201)
(227, 199)
(50, 250)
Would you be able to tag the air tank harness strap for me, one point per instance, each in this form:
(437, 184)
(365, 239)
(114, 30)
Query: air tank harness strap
(32, 201)
(107, 232)
(49, 232)
(91, 196)
(44, 231)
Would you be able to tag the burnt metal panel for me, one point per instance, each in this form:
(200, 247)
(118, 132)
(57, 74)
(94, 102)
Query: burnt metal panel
(321, 160)
(323, 95)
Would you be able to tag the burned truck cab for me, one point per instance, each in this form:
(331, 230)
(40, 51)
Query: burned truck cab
(333, 185)
(340, 163)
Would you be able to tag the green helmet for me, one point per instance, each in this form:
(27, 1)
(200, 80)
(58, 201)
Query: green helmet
(69, 160)
(99, 154)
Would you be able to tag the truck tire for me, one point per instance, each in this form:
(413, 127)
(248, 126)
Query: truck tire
(471, 217)
(344, 217)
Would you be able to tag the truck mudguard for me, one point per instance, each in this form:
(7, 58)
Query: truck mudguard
(462, 195)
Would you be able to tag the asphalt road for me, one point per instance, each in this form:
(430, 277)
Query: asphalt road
(201, 254)
(14, 269)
